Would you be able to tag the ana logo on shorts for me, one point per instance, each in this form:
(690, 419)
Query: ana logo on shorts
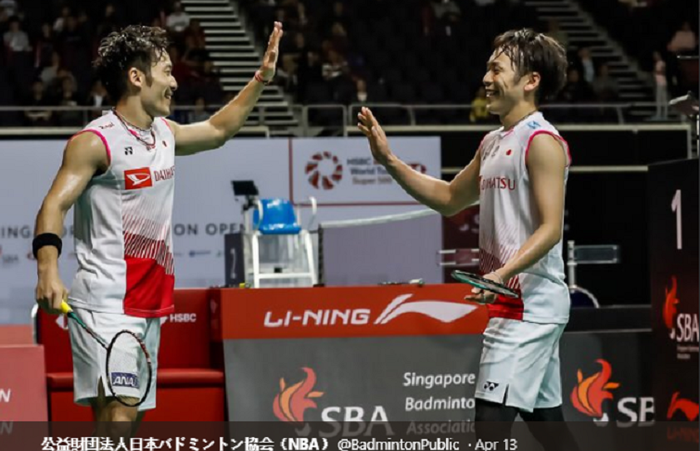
(293, 400)
(588, 396)
(324, 170)
(124, 380)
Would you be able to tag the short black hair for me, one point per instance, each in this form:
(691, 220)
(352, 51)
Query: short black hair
(136, 46)
(529, 52)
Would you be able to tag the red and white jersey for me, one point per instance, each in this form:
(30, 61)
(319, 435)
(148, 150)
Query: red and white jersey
(123, 238)
(508, 217)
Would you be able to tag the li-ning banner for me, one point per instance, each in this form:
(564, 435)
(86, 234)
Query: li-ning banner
(205, 208)
(400, 353)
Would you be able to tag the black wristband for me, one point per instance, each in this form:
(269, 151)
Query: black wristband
(46, 239)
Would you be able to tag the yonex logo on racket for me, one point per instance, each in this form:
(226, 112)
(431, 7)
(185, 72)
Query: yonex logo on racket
(125, 380)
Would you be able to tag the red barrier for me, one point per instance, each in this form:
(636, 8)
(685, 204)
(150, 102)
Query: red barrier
(16, 335)
(345, 312)
(22, 388)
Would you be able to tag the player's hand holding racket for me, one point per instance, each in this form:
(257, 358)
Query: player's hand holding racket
(128, 368)
(486, 287)
(50, 292)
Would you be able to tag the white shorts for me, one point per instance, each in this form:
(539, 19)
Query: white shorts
(89, 358)
(520, 364)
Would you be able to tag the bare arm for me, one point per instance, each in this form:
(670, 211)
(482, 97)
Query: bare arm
(83, 157)
(546, 164)
(446, 198)
(225, 123)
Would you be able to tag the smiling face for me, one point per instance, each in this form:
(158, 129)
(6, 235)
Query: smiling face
(505, 88)
(156, 88)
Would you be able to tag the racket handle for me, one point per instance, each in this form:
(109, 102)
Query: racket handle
(65, 308)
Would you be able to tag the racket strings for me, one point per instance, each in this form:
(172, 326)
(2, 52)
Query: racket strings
(128, 369)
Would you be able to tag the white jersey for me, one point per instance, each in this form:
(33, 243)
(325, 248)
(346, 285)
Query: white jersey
(508, 217)
(123, 238)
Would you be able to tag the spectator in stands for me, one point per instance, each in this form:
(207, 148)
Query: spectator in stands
(585, 65)
(210, 83)
(555, 32)
(684, 40)
(604, 86)
(4, 22)
(196, 32)
(339, 38)
(661, 87)
(85, 25)
(286, 75)
(478, 112)
(38, 98)
(447, 15)
(338, 14)
(61, 20)
(50, 72)
(576, 89)
(334, 67)
(16, 39)
(177, 20)
(361, 94)
(309, 70)
(55, 90)
(10, 6)
(109, 22)
(69, 97)
(199, 113)
(195, 53)
(45, 47)
(98, 96)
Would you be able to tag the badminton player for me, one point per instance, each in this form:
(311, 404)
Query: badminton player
(118, 172)
(518, 177)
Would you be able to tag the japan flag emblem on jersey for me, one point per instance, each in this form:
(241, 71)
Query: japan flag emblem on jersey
(137, 178)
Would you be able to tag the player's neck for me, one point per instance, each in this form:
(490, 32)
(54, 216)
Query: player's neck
(132, 112)
(517, 114)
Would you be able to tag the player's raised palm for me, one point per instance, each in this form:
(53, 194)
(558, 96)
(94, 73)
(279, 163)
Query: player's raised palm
(377, 138)
(269, 64)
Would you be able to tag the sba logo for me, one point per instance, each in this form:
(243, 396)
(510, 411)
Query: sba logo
(125, 380)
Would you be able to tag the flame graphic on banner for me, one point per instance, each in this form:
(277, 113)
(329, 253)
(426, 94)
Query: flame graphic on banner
(689, 408)
(588, 396)
(291, 402)
(670, 309)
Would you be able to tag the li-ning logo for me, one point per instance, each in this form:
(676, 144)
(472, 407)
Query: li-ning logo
(444, 311)
(293, 400)
(689, 408)
(324, 170)
(137, 178)
(590, 393)
(124, 380)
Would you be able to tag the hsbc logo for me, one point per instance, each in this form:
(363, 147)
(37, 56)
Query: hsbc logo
(179, 318)
(444, 311)
(137, 178)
